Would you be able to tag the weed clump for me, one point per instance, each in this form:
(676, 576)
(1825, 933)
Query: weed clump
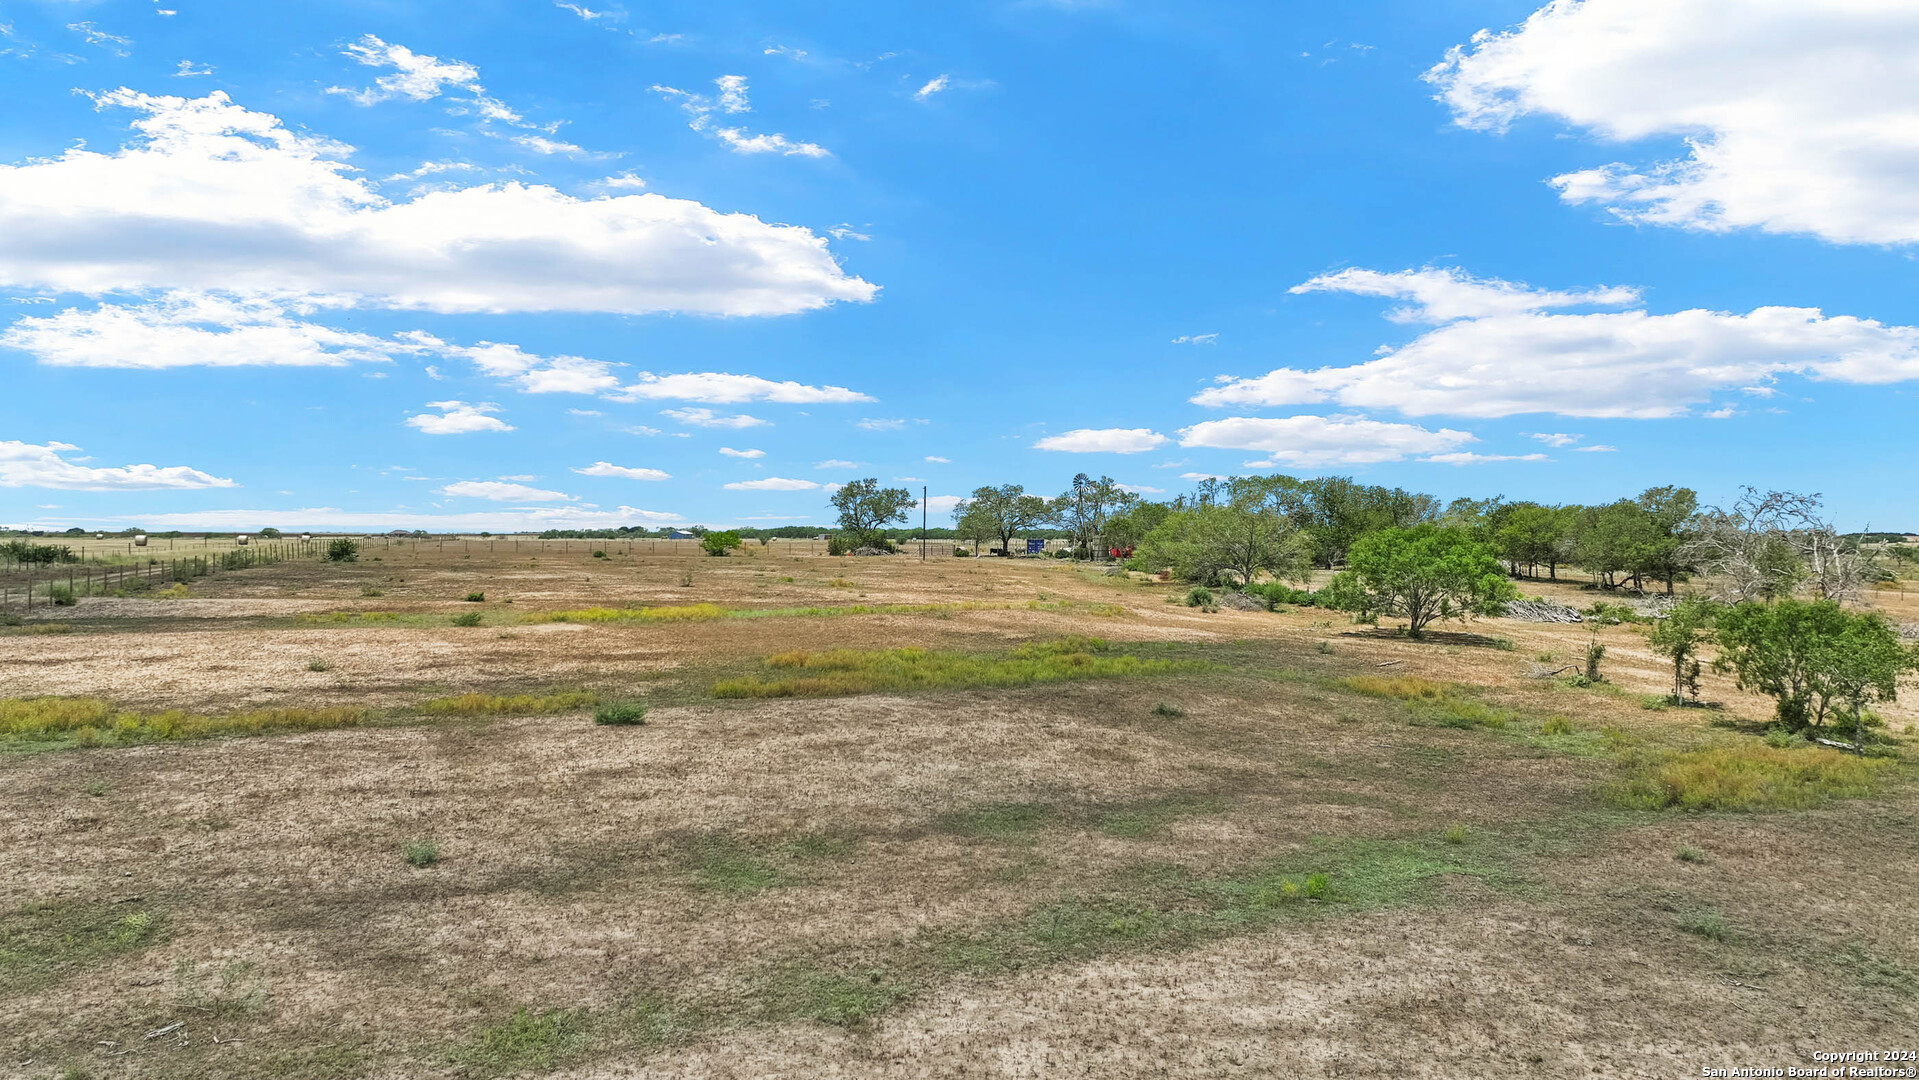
(527, 1042)
(421, 854)
(1689, 854)
(1705, 923)
(470, 618)
(1747, 777)
(620, 714)
(1170, 712)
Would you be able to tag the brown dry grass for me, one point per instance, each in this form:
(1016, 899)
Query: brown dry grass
(1047, 880)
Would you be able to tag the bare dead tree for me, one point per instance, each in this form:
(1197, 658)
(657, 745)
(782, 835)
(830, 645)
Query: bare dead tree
(1768, 545)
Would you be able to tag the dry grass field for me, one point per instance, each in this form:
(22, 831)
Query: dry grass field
(991, 818)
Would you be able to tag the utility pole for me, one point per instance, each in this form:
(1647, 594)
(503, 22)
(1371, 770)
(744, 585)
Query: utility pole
(922, 522)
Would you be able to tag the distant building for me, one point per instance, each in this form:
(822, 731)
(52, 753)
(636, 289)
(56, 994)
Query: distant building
(676, 534)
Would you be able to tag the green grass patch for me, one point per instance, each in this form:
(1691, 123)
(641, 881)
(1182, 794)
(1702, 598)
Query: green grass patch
(1705, 923)
(998, 821)
(1747, 777)
(670, 613)
(1144, 820)
(823, 845)
(40, 943)
(507, 704)
(524, 1042)
(620, 714)
(722, 863)
(839, 672)
(421, 854)
(1877, 972)
(848, 999)
(1396, 687)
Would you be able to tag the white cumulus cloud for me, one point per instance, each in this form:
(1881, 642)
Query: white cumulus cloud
(24, 464)
(1103, 441)
(1497, 352)
(213, 197)
(502, 491)
(415, 77)
(604, 468)
(723, 388)
(747, 455)
(933, 86)
(458, 418)
(1313, 441)
(189, 330)
(773, 483)
(709, 418)
(1467, 457)
(1797, 117)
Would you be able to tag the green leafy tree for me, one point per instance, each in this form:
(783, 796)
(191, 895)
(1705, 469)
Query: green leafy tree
(1783, 650)
(1005, 512)
(1421, 574)
(1130, 526)
(1678, 636)
(343, 550)
(866, 509)
(1336, 512)
(1863, 666)
(1528, 534)
(719, 543)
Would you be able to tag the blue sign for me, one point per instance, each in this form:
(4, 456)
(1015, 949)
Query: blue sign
(1034, 547)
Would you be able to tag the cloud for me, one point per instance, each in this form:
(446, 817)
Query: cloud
(872, 424)
(933, 86)
(190, 330)
(93, 35)
(835, 463)
(748, 455)
(709, 418)
(1311, 441)
(1102, 441)
(458, 418)
(773, 483)
(937, 460)
(1442, 295)
(942, 504)
(1553, 438)
(501, 491)
(1196, 339)
(1595, 449)
(1141, 489)
(212, 197)
(603, 468)
(1465, 457)
(36, 465)
(585, 13)
(531, 519)
(1496, 354)
(721, 388)
(1797, 118)
(844, 231)
(416, 77)
(188, 69)
(732, 99)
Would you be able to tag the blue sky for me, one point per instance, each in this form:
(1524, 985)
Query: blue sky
(500, 265)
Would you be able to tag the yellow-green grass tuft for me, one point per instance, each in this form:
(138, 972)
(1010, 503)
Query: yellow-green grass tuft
(1751, 777)
(675, 613)
(94, 722)
(508, 704)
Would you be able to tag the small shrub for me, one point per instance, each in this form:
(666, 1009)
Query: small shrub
(1454, 834)
(1200, 597)
(1688, 854)
(599, 554)
(1557, 725)
(1323, 647)
(422, 853)
(470, 618)
(1595, 652)
(317, 664)
(620, 714)
(686, 579)
(1317, 887)
(475, 598)
(371, 591)
(343, 550)
(1171, 712)
(1706, 923)
(175, 591)
(62, 596)
(961, 553)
